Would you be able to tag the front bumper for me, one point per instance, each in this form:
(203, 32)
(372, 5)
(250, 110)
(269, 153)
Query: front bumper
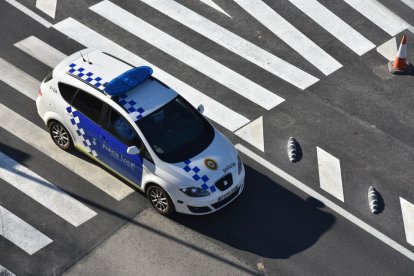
(210, 204)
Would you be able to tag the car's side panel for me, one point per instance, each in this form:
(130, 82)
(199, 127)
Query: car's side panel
(114, 154)
(86, 132)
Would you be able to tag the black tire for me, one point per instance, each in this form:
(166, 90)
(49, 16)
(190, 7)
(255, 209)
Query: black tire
(160, 200)
(60, 136)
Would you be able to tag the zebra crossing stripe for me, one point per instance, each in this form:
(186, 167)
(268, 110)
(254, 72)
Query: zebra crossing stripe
(409, 3)
(40, 140)
(30, 13)
(290, 35)
(18, 79)
(43, 192)
(47, 6)
(379, 15)
(334, 25)
(5, 272)
(330, 174)
(407, 210)
(40, 51)
(234, 43)
(214, 110)
(193, 58)
(21, 233)
(215, 6)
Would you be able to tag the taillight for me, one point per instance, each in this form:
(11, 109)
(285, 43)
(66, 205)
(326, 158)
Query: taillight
(39, 93)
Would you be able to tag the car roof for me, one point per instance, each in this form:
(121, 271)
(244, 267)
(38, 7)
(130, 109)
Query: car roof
(97, 69)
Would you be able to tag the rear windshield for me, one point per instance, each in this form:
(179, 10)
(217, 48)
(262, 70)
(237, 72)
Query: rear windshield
(177, 131)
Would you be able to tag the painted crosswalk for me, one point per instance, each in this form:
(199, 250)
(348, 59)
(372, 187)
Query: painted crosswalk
(21, 233)
(334, 25)
(41, 51)
(290, 35)
(44, 192)
(234, 43)
(379, 15)
(188, 55)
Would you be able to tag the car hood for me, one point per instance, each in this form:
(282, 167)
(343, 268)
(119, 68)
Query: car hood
(194, 171)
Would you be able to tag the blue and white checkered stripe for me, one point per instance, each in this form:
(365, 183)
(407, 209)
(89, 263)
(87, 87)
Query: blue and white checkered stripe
(205, 186)
(90, 147)
(131, 106)
(88, 77)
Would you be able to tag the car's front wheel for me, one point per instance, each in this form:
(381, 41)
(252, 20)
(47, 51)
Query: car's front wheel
(160, 200)
(60, 135)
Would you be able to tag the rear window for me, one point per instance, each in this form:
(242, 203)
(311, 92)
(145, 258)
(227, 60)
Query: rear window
(67, 91)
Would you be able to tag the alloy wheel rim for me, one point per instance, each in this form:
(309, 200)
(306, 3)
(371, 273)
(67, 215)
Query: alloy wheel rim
(60, 135)
(159, 200)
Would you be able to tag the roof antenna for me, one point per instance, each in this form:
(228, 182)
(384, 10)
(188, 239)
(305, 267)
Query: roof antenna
(88, 59)
(82, 56)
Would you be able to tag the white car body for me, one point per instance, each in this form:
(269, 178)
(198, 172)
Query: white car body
(90, 74)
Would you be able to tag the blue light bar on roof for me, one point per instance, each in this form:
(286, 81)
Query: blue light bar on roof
(128, 80)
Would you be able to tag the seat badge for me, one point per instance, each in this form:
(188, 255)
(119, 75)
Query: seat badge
(210, 164)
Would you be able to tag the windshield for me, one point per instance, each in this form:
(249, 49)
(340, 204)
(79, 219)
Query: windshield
(177, 131)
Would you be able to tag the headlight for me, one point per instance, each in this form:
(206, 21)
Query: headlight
(195, 192)
(239, 164)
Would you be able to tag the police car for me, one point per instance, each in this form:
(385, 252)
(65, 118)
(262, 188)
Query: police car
(142, 130)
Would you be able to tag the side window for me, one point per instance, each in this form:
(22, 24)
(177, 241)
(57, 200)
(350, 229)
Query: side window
(67, 91)
(88, 105)
(119, 127)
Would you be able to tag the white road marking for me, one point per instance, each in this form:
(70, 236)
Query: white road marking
(407, 210)
(290, 35)
(253, 133)
(28, 12)
(40, 51)
(47, 6)
(379, 15)
(334, 25)
(20, 233)
(409, 3)
(40, 140)
(234, 43)
(5, 272)
(388, 49)
(18, 79)
(363, 225)
(43, 192)
(214, 6)
(188, 55)
(213, 109)
(330, 174)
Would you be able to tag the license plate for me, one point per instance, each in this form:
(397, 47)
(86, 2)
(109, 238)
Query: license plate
(223, 197)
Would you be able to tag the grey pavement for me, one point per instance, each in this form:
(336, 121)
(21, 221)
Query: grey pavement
(151, 244)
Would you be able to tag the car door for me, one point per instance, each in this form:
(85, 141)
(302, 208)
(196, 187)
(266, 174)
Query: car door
(115, 138)
(83, 115)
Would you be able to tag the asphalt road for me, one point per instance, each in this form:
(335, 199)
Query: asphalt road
(359, 113)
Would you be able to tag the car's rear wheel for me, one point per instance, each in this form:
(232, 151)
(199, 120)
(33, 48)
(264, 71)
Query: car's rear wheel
(60, 135)
(160, 200)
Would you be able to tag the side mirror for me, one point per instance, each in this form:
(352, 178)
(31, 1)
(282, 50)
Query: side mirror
(133, 150)
(200, 108)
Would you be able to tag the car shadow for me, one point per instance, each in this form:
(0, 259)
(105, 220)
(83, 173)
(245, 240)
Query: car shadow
(266, 220)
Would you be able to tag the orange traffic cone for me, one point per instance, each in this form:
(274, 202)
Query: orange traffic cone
(401, 66)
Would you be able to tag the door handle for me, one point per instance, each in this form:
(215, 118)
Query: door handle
(70, 115)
